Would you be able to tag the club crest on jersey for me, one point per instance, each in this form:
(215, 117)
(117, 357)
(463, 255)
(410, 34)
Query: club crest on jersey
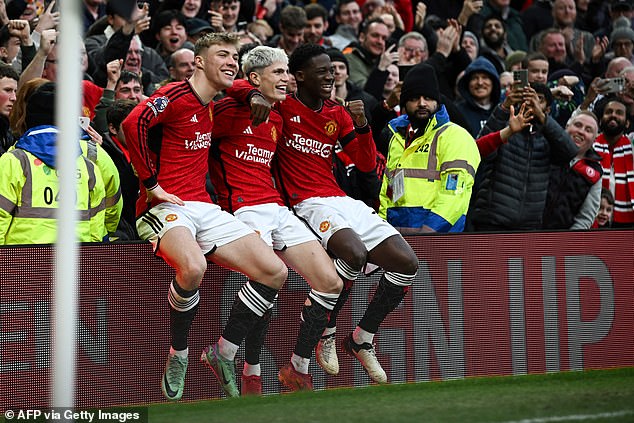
(273, 134)
(171, 217)
(158, 105)
(324, 226)
(330, 127)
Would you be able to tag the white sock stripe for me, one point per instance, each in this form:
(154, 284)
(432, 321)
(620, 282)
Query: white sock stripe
(181, 304)
(399, 279)
(253, 300)
(345, 270)
(328, 301)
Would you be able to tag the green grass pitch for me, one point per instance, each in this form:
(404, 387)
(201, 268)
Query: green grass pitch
(592, 396)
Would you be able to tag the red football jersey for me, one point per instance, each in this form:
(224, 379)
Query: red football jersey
(174, 153)
(303, 168)
(241, 154)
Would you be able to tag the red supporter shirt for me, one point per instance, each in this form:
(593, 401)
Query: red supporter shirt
(241, 154)
(174, 153)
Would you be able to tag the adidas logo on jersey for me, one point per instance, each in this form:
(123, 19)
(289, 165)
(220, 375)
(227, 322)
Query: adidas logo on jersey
(194, 119)
(296, 119)
(248, 131)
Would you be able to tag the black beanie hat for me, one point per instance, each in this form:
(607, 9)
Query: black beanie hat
(40, 106)
(420, 81)
(337, 56)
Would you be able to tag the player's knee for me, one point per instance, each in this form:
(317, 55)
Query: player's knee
(191, 272)
(276, 276)
(356, 258)
(331, 283)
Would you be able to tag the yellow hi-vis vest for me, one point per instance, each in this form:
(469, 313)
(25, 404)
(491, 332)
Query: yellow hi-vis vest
(29, 198)
(435, 174)
(110, 175)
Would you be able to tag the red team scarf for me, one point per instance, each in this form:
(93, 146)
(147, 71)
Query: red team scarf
(619, 160)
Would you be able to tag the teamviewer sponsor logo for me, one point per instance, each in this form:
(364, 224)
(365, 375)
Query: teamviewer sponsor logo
(310, 146)
(201, 141)
(255, 154)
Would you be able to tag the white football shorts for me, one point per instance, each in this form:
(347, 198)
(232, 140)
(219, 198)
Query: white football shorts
(276, 225)
(327, 215)
(210, 226)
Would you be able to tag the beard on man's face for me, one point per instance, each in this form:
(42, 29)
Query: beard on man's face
(612, 127)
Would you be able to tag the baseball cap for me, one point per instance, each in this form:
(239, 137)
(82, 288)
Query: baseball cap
(194, 26)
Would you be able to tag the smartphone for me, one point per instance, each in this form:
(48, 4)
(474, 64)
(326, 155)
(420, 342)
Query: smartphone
(84, 122)
(520, 78)
(612, 85)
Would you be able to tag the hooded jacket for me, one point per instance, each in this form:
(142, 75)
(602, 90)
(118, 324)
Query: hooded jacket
(475, 114)
(29, 190)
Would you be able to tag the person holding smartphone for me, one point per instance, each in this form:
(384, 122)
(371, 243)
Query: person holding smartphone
(512, 180)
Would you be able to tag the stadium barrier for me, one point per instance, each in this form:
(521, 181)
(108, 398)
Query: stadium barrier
(485, 304)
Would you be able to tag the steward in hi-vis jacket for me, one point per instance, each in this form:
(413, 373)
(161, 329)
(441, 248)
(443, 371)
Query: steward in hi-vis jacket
(29, 184)
(431, 162)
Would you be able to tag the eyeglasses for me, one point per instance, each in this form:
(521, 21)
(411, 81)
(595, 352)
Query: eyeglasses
(413, 49)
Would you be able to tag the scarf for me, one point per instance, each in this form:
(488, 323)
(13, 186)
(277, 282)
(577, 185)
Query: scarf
(618, 175)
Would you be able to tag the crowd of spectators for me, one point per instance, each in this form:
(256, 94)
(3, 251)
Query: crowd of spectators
(579, 58)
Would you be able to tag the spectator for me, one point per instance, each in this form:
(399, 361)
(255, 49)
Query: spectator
(116, 147)
(192, 9)
(92, 11)
(537, 17)
(514, 60)
(15, 38)
(512, 181)
(412, 49)
(18, 112)
(617, 161)
(596, 89)
(348, 18)
(564, 15)
(364, 56)
(169, 29)
(574, 190)
(606, 210)
(428, 191)
(622, 40)
(8, 87)
(129, 87)
(470, 44)
(616, 9)
(196, 28)
(120, 40)
(316, 25)
(479, 88)
(292, 26)
(536, 65)
(181, 65)
(511, 18)
(494, 45)
(34, 158)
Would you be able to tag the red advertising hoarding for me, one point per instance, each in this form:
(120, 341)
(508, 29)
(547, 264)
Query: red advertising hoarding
(491, 304)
